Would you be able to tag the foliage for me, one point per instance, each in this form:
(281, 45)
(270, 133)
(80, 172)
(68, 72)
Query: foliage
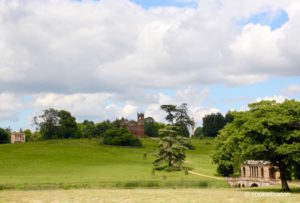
(57, 124)
(171, 111)
(268, 131)
(120, 136)
(172, 148)
(87, 129)
(198, 132)
(67, 125)
(212, 123)
(102, 127)
(181, 117)
(4, 136)
(27, 135)
(48, 123)
(150, 127)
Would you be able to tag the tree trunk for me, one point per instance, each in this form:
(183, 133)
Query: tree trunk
(283, 178)
(284, 185)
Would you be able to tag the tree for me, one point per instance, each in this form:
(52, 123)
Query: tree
(56, 124)
(27, 134)
(48, 123)
(120, 136)
(67, 125)
(150, 128)
(212, 123)
(268, 131)
(172, 148)
(171, 111)
(88, 129)
(4, 136)
(198, 132)
(102, 127)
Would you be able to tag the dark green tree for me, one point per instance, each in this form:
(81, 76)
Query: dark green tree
(268, 131)
(4, 136)
(27, 134)
(172, 148)
(198, 132)
(48, 123)
(150, 128)
(103, 126)
(171, 111)
(67, 125)
(212, 123)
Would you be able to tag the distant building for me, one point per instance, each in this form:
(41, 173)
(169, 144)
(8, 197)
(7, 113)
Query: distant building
(135, 127)
(256, 173)
(17, 137)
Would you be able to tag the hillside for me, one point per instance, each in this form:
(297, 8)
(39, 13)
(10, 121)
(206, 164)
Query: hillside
(88, 163)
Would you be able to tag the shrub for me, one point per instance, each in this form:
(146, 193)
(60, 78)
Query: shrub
(4, 136)
(121, 137)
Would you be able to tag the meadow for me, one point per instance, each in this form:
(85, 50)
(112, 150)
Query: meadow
(87, 163)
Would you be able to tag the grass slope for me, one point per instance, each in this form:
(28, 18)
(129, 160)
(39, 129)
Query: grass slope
(88, 163)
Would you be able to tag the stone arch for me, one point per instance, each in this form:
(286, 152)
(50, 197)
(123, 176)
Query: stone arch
(254, 185)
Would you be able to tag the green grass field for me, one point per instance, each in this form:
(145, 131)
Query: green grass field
(89, 164)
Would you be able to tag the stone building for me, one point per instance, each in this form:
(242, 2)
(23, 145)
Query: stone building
(256, 173)
(17, 137)
(135, 127)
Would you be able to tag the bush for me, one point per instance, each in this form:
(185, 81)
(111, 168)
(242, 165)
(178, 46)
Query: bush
(4, 136)
(121, 137)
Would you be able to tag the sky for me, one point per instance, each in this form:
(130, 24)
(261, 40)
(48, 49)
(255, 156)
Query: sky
(109, 59)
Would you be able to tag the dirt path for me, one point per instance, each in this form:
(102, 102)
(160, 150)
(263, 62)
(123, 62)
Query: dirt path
(199, 174)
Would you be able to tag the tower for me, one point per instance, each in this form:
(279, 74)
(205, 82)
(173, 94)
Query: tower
(140, 119)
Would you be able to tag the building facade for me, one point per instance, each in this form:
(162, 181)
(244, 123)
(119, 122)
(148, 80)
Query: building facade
(256, 173)
(135, 127)
(17, 137)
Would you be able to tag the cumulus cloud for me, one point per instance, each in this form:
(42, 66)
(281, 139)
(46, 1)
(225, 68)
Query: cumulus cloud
(99, 58)
(292, 89)
(10, 104)
(93, 46)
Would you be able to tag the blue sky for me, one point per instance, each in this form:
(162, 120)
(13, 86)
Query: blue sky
(114, 59)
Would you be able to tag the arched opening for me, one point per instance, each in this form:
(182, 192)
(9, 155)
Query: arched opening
(262, 172)
(254, 185)
(243, 185)
(244, 171)
(239, 185)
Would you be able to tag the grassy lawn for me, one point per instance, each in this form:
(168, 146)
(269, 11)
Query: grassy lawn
(148, 195)
(89, 164)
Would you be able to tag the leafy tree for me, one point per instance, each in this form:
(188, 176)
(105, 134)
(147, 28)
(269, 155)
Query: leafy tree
(150, 128)
(198, 132)
(27, 134)
(88, 129)
(212, 123)
(67, 125)
(181, 115)
(172, 148)
(102, 127)
(268, 131)
(4, 136)
(48, 123)
(120, 136)
(228, 117)
(171, 111)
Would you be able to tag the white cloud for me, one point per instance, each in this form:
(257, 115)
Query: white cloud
(10, 104)
(92, 46)
(98, 58)
(292, 89)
